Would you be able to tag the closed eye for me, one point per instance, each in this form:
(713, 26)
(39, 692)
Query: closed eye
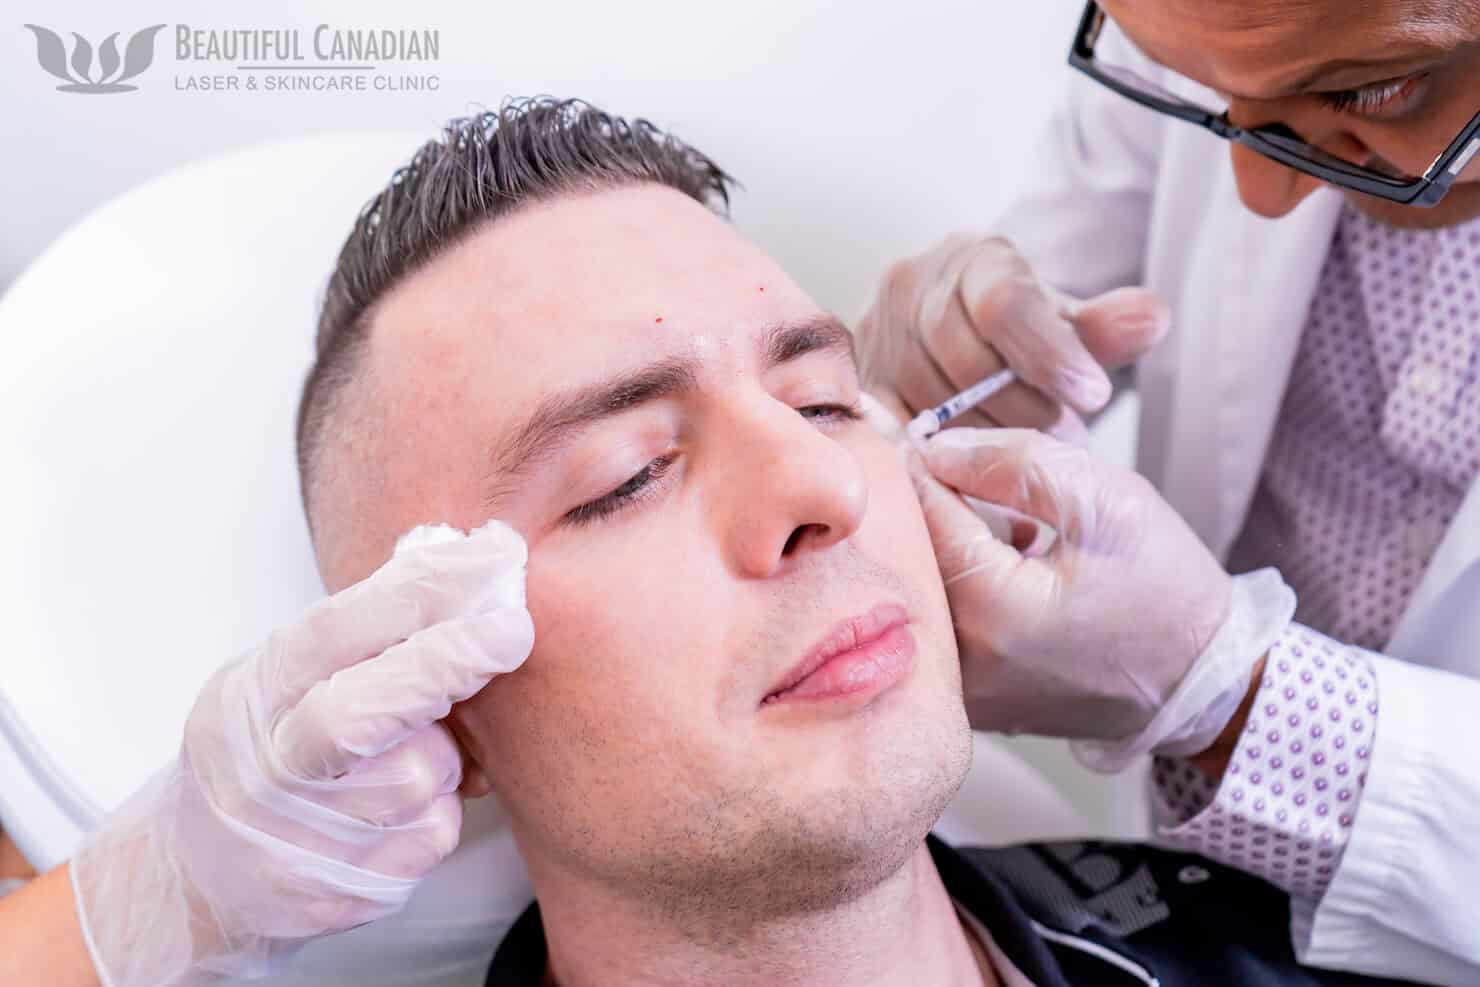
(639, 486)
(633, 489)
(832, 412)
(1378, 99)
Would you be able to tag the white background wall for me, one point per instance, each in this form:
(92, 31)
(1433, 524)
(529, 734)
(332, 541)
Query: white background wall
(862, 129)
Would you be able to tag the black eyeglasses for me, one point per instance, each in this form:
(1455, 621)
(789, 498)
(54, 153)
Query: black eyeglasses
(1275, 140)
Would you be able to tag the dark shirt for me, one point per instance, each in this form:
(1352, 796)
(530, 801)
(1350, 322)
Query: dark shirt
(1086, 914)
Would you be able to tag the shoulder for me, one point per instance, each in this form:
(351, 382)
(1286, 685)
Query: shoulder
(1122, 887)
(519, 960)
(1181, 917)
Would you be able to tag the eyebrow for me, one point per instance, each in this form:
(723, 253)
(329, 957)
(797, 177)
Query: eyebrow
(1411, 62)
(560, 417)
(1415, 53)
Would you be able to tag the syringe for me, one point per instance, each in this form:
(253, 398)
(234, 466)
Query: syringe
(931, 420)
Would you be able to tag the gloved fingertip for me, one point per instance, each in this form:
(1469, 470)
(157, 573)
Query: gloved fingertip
(956, 444)
(1088, 389)
(1069, 428)
(1159, 321)
(963, 458)
(914, 466)
(1120, 326)
(1136, 310)
(513, 640)
(965, 438)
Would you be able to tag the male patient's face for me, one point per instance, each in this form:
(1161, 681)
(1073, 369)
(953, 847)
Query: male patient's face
(685, 553)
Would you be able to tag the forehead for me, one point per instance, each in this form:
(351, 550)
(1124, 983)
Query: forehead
(597, 280)
(1265, 20)
(1231, 43)
(556, 296)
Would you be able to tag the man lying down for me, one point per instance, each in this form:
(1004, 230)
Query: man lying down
(546, 319)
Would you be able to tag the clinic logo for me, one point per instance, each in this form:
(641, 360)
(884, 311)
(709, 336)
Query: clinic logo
(110, 75)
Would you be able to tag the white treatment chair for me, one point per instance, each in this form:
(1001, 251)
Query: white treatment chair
(148, 379)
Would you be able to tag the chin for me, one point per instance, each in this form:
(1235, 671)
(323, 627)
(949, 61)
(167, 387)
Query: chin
(1460, 205)
(852, 832)
(920, 768)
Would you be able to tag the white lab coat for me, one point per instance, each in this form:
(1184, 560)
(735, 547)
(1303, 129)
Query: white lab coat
(1123, 195)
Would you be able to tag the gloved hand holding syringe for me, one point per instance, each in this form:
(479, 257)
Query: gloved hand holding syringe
(1125, 631)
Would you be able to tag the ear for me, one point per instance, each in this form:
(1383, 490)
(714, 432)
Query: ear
(475, 783)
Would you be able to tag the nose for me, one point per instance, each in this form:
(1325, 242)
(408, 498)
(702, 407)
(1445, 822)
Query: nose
(1269, 188)
(792, 489)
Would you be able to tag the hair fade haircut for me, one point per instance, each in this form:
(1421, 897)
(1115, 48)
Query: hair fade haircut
(480, 168)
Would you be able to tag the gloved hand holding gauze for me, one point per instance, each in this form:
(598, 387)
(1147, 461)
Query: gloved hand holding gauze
(315, 785)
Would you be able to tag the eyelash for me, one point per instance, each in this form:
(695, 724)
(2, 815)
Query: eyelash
(1369, 100)
(609, 504)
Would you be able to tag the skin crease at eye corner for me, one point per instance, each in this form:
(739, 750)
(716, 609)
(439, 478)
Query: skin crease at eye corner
(646, 781)
(1254, 50)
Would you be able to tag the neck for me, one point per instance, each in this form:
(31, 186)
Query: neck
(903, 931)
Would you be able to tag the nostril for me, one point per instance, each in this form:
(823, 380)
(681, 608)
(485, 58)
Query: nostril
(797, 535)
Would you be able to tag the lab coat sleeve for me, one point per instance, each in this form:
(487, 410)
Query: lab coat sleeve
(1084, 220)
(1405, 901)
(1285, 806)
(1353, 788)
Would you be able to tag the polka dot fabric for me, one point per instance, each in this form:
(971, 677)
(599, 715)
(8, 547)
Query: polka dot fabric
(1379, 435)
(1285, 807)
(1378, 441)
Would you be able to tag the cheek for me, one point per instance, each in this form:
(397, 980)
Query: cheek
(600, 595)
(894, 516)
(621, 678)
(622, 620)
(895, 529)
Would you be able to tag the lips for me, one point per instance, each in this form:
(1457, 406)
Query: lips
(863, 654)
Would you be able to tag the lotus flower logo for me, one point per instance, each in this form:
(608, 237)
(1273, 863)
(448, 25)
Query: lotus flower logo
(77, 71)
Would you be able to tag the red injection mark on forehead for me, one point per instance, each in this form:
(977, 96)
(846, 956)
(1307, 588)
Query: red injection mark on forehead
(658, 320)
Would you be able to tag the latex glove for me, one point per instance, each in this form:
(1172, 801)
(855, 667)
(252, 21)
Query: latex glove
(1125, 629)
(315, 785)
(969, 306)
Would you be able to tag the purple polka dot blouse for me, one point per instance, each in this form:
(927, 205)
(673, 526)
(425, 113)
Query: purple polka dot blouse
(1286, 804)
(1378, 438)
(1377, 443)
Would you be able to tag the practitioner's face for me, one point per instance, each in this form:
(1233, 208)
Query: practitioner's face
(1381, 81)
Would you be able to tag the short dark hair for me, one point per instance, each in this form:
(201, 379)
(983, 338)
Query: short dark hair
(480, 168)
